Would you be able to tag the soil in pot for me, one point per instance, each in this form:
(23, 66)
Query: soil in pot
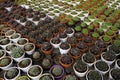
(64, 46)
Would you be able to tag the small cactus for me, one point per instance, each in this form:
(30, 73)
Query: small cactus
(4, 62)
(57, 71)
(28, 47)
(12, 73)
(36, 55)
(25, 62)
(46, 77)
(46, 62)
(34, 71)
(70, 77)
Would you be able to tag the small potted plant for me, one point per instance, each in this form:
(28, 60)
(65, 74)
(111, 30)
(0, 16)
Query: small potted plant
(46, 76)
(72, 41)
(95, 35)
(117, 64)
(47, 48)
(75, 53)
(9, 33)
(79, 36)
(6, 62)
(22, 41)
(2, 53)
(46, 63)
(23, 78)
(17, 53)
(70, 77)
(64, 48)
(109, 57)
(88, 58)
(57, 71)
(80, 68)
(88, 40)
(55, 42)
(37, 56)
(34, 72)
(4, 43)
(15, 37)
(70, 32)
(114, 74)
(29, 48)
(13, 73)
(110, 33)
(85, 32)
(66, 61)
(101, 66)
(82, 46)
(25, 64)
(94, 75)
(107, 39)
(63, 37)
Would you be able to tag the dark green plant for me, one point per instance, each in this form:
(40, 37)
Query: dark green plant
(80, 66)
(94, 75)
(115, 49)
(77, 28)
(89, 58)
(102, 66)
(85, 31)
(95, 35)
(4, 42)
(10, 47)
(106, 38)
(75, 51)
(115, 74)
(70, 77)
(110, 33)
(116, 43)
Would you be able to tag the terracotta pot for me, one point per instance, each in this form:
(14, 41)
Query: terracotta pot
(47, 52)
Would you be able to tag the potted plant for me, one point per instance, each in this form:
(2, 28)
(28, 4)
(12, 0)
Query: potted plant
(109, 57)
(79, 36)
(75, 53)
(88, 40)
(95, 35)
(88, 58)
(34, 72)
(57, 71)
(24, 64)
(114, 48)
(110, 33)
(64, 48)
(9, 33)
(85, 32)
(37, 56)
(46, 63)
(94, 75)
(2, 53)
(4, 43)
(22, 41)
(46, 76)
(13, 73)
(80, 68)
(101, 66)
(72, 41)
(6, 62)
(23, 78)
(46, 48)
(15, 37)
(114, 74)
(70, 32)
(77, 28)
(82, 46)
(66, 61)
(29, 48)
(70, 77)
(63, 37)
(17, 53)
(55, 42)
(117, 63)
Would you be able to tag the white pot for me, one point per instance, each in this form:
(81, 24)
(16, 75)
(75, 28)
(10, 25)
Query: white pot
(23, 44)
(103, 72)
(3, 54)
(64, 39)
(36, 22)
(89, 72)
(108, 62)
(16, 39)
(35, 77)
(9, 65)
(30, 19)
(22, 23)
(18, 59)
(70, 35)
(9, 8)
(8, 32)
(89, 64)
(15, 76)
(62, 51)
(4, 46)
(47, 74)
(88, 23)
(55, 45)
(82, 18)
(78, 73)
(116, 65)
(110, 76)
(31, 51)
(26, 68)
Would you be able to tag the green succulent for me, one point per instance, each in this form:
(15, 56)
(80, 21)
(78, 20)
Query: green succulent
(76, 19)
(77, 28)
(34, 71)
(46, 77)
(1, 53)
(110, 33)
(116, 42)
(71, 23)
(28, 47)
(84, 31)
(106, 38)
(17, 52)
(70, 77)
(4, 62)
(95, 35)
(23, 78)
(46, 62)
(25, 62)
(11, 73)
(57, 71)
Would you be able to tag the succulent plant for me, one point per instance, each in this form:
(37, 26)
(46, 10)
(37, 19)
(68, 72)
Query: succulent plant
(24, 63)
(115, 74)
(4, 42)
(114, 48)
(28, 47)
(89, 58)
(17, 52)
(66, 59)
(10, 47)
(14, 36)
(11, 73)
(106, 38)
(36, 55)
(4, 62)
(34, 71)
(22, 41)
(46, 63)
(46, 77)
(56, 71)
(75, 51)
(70, 77)
(1, 53)
(77, 28)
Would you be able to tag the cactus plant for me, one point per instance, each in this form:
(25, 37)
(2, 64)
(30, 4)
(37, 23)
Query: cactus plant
(70, 77)
(56, 71)
(34, 71)
(24, 63)
(4, 62)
